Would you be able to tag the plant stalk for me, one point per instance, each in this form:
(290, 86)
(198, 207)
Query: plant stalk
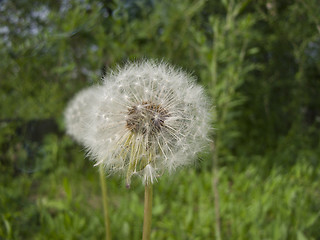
(147, 211)
(105, 202)
(216, 193)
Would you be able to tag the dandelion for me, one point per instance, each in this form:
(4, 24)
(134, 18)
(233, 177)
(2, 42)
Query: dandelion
(78, 115)
(78, 120)
(145, 119)
(150, 118)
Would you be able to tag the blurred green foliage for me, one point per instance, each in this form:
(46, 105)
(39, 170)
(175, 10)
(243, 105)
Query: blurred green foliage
(258, 60)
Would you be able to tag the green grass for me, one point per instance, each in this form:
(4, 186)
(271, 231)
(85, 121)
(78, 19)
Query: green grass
(61, 200)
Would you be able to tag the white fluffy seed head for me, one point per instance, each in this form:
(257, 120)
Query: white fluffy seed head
(145, 119)
(79, 114)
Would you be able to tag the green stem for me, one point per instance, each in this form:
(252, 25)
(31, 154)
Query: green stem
(105, 203)
(216, 192)
(147, 211)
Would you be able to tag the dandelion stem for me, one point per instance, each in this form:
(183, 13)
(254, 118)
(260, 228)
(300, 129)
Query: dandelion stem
(105, 203)
(147, 211)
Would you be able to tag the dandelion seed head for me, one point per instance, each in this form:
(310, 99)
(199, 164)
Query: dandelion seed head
(79, 115)
(153, 118)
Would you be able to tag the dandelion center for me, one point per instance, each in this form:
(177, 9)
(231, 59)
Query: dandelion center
(146, 118)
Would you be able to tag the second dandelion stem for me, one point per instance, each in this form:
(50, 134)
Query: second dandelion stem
(105, 203)
(147, 211)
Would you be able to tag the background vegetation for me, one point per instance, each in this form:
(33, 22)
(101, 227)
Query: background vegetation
(258, 60)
